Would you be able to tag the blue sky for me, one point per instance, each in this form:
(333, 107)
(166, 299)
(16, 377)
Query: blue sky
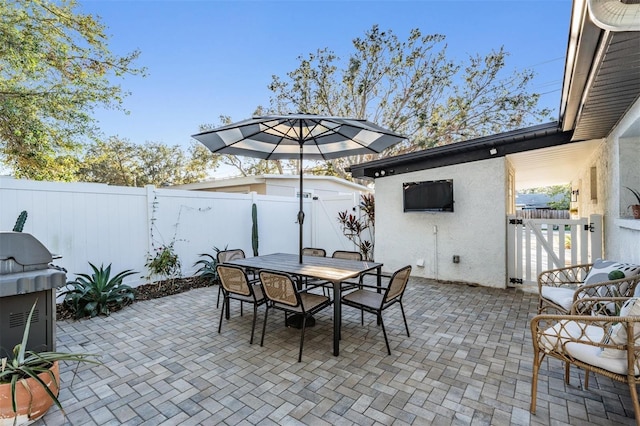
(212, 58)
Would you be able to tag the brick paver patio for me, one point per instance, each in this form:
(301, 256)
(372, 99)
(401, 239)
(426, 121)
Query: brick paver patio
(468, 361)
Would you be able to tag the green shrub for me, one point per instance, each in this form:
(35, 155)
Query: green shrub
(98, 293)
(164, 263)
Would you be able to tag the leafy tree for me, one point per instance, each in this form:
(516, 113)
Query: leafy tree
(559, 195)
(120, 162)
(410, 87)
(55, 68)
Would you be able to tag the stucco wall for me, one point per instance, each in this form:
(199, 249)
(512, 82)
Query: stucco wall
(616, 163)
(475, 231)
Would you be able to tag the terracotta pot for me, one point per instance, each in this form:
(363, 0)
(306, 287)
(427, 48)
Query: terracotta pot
(30, 407)
(635, 208)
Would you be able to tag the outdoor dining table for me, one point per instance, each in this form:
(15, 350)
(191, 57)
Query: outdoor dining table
(329, 269)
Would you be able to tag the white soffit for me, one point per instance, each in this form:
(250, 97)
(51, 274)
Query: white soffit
(556, 165)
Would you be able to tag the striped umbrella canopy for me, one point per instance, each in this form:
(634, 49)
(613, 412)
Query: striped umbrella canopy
(299, 136)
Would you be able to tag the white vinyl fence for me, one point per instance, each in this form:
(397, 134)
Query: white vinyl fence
(102, 224)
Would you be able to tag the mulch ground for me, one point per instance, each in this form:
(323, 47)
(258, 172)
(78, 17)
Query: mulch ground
(150, 291)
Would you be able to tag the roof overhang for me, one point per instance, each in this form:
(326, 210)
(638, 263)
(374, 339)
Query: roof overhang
(494, 146)
(602, 69)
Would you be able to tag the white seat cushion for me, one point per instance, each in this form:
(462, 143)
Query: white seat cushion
(559, 295)
(553, 338)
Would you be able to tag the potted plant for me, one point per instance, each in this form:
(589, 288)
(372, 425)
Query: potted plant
(635, 208)
(30, 381)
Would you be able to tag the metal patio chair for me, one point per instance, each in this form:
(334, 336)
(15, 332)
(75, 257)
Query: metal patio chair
(282, 294)
(349, 285)
(235, 285)
(224, 256)
(376, 299)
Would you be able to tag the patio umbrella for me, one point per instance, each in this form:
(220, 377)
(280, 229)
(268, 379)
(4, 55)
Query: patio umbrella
(299, 136)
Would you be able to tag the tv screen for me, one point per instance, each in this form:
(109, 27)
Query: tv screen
(433, 195)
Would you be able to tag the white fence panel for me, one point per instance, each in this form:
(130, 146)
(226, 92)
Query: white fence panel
(327, 232)
(97, 223)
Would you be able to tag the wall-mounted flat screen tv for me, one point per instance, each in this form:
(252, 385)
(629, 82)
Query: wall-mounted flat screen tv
(428, 196)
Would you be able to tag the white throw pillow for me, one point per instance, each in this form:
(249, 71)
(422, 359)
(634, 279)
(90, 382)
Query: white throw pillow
(619, 332)
(600, 270)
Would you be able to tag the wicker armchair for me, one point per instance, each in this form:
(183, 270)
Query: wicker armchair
(559, 289)
(607, 345)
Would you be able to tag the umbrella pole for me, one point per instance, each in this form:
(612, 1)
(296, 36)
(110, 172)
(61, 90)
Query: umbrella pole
(301, 211)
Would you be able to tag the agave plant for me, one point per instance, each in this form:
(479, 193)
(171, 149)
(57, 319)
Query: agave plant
(98, 293)
(28, 364)
(208, 265)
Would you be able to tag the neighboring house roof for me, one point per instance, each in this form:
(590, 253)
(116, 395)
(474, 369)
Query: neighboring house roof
(261, 179)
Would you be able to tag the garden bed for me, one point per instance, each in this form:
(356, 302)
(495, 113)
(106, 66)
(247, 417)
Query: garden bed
(151, 291)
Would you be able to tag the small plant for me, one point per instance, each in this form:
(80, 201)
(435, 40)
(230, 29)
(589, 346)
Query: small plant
(354, 228)
(28, 364)
(635, 208)
(164, 263)
(635, 192)
(207, 270)
(98, 293)
(22, 218)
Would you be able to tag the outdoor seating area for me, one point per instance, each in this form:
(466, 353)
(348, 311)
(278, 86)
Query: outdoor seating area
(468, 360)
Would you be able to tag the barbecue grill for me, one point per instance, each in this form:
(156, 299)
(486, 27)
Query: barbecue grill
(25, 276)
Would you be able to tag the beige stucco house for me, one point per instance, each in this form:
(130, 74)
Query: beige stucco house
(281, 185)
(594, 146)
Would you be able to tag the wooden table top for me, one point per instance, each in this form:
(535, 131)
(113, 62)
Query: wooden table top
(325, 268)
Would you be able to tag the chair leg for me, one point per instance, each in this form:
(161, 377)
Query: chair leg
(634, 398)
(253, 325)
(385, 333)
(537, 360)
(586, 379)
(404, 318)
(221, 316)
(304, 325)
(361, 316)
(566, 373)
(219, 291)
(264, 324)
(241, 304)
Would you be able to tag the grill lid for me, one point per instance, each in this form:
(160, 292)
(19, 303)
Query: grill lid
(24, 248)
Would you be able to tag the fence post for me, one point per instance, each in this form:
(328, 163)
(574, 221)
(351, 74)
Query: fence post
(595, 226)
(150, 195)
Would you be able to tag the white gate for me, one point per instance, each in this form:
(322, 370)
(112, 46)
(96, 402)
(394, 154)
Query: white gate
(536, 245)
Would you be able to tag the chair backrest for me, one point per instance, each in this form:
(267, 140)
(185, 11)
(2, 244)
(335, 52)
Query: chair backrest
(234, 279)
(279, 288)
(348, 255)
(398, 283)
(227, 255)
(310, 251)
